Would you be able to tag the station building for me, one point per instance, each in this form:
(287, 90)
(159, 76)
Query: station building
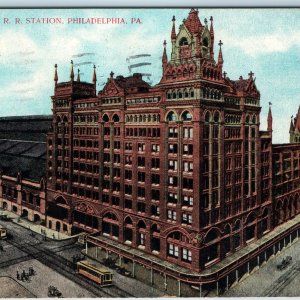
(176, 182)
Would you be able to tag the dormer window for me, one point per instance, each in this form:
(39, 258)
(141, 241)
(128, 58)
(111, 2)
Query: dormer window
(183, 42)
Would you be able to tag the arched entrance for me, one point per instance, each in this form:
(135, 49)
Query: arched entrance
(4, 205)
(24, 213)
(36, 218)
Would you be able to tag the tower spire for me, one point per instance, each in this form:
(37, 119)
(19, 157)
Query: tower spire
(164, 57)
(94, 76)
(55, 74)
(220, 57)
(212, 36)
(78, 76)
(72, 72)
(270, 118)
(173, 33)
(292, 128)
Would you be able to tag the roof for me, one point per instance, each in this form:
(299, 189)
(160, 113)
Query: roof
(94, 265)
(240, 84)
(193, 23)
(132, 81)
(27, 157)
(29, 128)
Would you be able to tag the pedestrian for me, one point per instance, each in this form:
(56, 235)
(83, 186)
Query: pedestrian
(18, 275)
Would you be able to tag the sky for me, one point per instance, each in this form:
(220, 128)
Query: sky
(265, 41)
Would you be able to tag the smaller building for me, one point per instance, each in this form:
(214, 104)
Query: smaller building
(295, 128)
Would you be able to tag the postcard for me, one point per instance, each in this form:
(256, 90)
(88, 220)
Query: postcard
(149, 152)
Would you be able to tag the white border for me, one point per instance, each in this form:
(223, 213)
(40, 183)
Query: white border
(148, 3)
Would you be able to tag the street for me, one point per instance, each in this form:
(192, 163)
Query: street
(268, 281)
(53, 265)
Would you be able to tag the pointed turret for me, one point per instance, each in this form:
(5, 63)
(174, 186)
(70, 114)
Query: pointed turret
(164, 57)
(220, 57)
(72, 71)
(55, 74)
(270, 118)
(94, 76)
(78, 76)
(212, 36)
(292, 128)
(173, 33)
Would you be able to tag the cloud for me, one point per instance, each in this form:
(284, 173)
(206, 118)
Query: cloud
(277, 41)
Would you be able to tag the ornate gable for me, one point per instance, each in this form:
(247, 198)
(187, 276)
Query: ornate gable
(112, 89)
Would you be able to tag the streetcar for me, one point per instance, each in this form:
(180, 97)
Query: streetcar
(3, 232)
(94, 272)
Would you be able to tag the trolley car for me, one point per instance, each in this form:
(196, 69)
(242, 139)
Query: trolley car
(95, 273)
(3, 232)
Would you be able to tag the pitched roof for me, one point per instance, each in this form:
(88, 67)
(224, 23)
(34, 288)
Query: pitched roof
(136, 80)
(193, 23)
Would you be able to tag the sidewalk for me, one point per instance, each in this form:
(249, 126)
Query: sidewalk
(37, 228)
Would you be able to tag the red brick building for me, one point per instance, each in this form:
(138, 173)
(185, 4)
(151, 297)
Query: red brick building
(178, 174)
(179, 170)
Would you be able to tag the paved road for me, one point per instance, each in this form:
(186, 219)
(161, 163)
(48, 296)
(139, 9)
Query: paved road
(268, 281)
(24, 247)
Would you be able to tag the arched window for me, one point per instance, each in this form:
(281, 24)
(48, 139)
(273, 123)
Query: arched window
(205, 42)
(171, 117)
(183, 41)
(207, 117)
(116, 118)
(186, 116)
(105, 118)
(191, 93)
(216, 117)
(141, 233)
(169, 95)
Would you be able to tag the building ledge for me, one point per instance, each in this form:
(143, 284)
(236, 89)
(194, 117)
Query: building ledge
(212, 273)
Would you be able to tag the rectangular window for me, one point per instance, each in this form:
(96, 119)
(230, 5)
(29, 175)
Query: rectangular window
(142, 239)
(141, 206)
(187, 149)
(141, 147)
(141, 161)
(155, 179)
(188, 200)
(128, 146)
(186, 218)
(173, 181)
(186, 255)
(155, 163)
(128, 160)
(141, 192)
(187, 166)
(188, 133)
(173, 148)
(173, 165)
(171, 215)
(173, 250)
(155, 148)
(141, 176)
(172, 198)
(173, 132)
